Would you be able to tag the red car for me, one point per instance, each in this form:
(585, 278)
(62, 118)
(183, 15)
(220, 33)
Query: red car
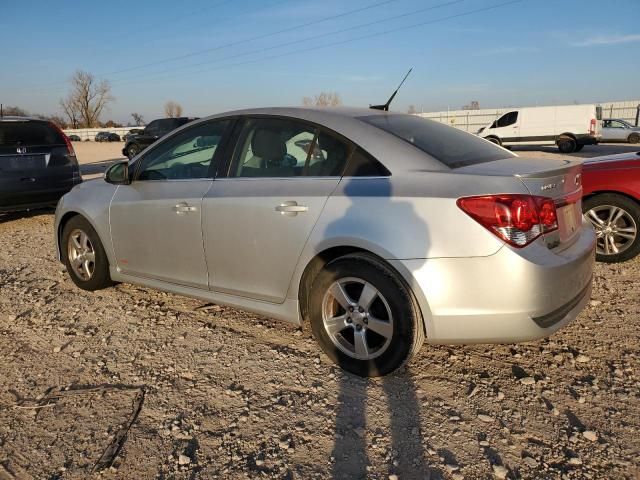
(611, 201)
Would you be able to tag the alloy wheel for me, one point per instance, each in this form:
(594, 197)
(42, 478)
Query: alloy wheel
(357, 318)
(616, 230)
(81, 254)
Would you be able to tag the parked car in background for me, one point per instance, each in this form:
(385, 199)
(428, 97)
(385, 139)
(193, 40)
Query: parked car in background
(611, 189)
(37, 164)
(616, 130)
(131, 133)
(74, 138)
(152, 132)
(377, 229)
(107, 137)
(570, 127)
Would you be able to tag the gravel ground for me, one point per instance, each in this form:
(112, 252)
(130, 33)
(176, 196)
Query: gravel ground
(213, 392)
(193, 390)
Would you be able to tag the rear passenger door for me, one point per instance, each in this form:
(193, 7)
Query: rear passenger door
(256, 221)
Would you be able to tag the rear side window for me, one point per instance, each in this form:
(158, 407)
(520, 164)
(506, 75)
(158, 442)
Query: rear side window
(29, 133)
(274, 147)
(361, 164)
(454, 148)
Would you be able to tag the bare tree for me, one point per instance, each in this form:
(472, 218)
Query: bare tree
(14, 111)
(325, 99)
(138, 119)
(70, 109)
(172, 109)
(412, 110)
(87, 99)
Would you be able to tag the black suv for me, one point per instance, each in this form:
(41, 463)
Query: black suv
(107, 137)
(152, 132)
(37, 164)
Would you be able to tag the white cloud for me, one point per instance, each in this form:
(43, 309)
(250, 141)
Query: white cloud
(606, 40)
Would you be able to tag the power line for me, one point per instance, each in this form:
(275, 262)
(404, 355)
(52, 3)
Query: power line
(294, 42)
(251, 39)
(342, 42)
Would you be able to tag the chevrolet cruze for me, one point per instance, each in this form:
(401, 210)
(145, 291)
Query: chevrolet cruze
(378, 230)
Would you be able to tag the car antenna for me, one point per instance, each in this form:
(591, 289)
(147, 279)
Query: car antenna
(385, 107)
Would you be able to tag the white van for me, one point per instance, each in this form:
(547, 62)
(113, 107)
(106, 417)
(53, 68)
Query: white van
(570, 127)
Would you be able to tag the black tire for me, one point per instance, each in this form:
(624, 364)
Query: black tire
(495, 140)
(634, 138)
(578, 148)
(567, 145)
(100, 277)
(407, 327)
(631, 208)
(133, 150)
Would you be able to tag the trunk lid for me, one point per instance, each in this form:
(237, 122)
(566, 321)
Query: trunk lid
(560, 180)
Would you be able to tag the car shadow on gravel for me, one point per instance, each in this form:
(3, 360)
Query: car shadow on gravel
(12, 216)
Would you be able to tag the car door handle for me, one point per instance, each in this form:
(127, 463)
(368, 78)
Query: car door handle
(291, 208)
(184, 208)
(28, 179)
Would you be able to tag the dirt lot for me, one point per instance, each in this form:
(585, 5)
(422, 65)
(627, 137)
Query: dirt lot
(213, 392)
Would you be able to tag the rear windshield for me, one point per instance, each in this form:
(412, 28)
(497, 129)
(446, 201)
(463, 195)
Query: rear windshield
(29, 133)
(449, 146)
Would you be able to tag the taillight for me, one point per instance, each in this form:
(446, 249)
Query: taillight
(67, 142)
(592, 127)
(517, 219)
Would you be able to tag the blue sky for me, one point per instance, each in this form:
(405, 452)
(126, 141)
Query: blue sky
(523, 53)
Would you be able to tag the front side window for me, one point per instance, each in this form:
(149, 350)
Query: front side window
(616, 124)
(507, 119)
(272, 147)
(186, 155)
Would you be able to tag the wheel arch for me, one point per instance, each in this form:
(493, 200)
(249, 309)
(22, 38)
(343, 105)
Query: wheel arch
(317, 262)
(595, 193)
(495, 137)
(64, 220)
(572, 136)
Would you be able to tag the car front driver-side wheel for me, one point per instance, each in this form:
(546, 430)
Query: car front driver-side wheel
(84, 255)
(363, 315)
(634, 138)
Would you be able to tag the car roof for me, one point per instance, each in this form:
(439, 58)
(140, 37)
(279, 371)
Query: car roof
(13, 118)
(395, 153)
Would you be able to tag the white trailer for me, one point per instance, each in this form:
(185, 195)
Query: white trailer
(570, 127)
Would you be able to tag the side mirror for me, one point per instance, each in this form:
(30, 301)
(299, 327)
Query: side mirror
(118, 174)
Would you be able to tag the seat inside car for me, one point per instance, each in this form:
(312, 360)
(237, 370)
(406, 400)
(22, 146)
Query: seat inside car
(269, 150)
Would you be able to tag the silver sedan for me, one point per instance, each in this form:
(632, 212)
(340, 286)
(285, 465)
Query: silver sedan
(376, 229)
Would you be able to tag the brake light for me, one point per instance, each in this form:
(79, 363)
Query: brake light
(592, 127)
(517, 219)
(72, 152)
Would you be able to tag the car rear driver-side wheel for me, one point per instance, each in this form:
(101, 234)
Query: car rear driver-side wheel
(616, 219)
(567, 145)
(363, 315)
(84, 255)
(634, 138)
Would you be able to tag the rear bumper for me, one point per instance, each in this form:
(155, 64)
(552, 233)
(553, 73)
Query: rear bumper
(505, 297)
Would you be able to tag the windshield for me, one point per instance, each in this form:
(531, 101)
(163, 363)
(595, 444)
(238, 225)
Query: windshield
(448, 145)
(29, 133)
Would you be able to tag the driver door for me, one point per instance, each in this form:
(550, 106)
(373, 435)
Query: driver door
(156, 220)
